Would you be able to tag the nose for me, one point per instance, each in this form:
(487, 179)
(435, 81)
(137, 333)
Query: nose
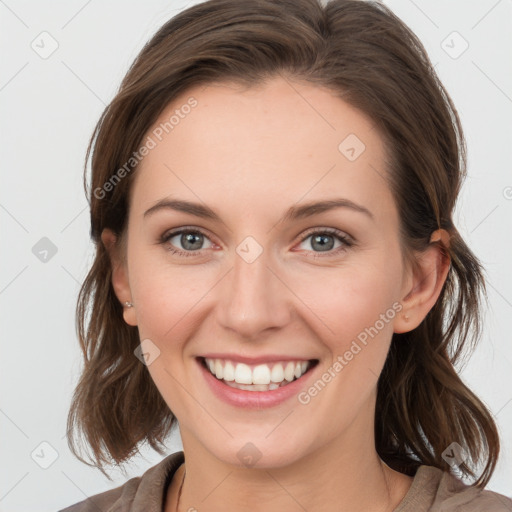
(254, 299)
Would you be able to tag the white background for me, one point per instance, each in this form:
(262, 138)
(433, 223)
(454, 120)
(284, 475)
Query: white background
(48, 110)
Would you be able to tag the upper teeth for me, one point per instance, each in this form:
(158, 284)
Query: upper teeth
(259, 374)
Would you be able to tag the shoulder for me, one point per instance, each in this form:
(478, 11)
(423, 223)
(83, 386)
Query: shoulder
(453, 494)
(141, 493)
(108, 500)
(434, 490)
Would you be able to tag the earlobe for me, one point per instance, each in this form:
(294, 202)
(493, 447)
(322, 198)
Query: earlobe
(428, 277)
(120, 281)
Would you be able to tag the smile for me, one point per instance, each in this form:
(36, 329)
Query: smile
(260, 377)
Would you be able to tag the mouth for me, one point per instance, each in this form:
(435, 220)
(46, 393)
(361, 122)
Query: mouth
(257, 377)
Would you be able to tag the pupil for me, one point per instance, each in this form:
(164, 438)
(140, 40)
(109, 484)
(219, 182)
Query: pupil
(324, 245)
(187, 240)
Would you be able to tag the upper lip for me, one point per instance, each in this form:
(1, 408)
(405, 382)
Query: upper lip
(256, 360)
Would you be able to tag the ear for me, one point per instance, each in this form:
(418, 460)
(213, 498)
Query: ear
(425, 282)
(120, 281)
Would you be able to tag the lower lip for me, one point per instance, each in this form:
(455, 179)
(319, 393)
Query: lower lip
(254, 399)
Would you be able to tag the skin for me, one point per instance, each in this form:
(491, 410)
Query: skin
(250, 155)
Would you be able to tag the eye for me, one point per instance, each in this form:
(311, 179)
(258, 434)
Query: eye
(185, 242)
(325, 240)
(190, 241)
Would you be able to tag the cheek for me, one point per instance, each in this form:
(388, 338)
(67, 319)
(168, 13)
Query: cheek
(352, 300)
(356, 312)
(167, 296)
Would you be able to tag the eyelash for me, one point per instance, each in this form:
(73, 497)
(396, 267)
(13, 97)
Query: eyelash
(345, 240)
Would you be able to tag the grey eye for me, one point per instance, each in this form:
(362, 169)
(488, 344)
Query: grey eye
(321, 242)
(188, 240)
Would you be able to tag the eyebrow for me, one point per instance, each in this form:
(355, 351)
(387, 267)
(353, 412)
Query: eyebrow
(293, 213)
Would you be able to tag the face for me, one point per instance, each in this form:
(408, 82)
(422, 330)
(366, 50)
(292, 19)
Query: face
(256, 273)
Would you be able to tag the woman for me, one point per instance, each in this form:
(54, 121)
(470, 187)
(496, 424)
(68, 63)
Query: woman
(277, 270)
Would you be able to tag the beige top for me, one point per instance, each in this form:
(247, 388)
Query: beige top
(432, 490)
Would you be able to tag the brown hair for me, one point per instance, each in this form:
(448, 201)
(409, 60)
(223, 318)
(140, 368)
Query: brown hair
(368, 57)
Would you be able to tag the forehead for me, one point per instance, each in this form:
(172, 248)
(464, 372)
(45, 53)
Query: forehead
(281, 138)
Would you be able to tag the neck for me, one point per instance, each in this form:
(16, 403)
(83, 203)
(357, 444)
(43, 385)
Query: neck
(341, 475)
